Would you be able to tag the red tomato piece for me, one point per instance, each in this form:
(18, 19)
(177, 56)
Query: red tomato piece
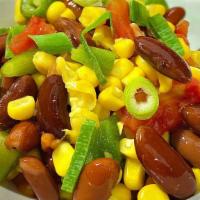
(182, 28)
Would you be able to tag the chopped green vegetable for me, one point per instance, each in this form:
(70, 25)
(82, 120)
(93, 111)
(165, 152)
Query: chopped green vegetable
(138, 13)
(85, 3)
(110, 138)
(55, 43)
(3, 31)
(144, 109)
(19, 65)
(162, 31)
(162, 2)
(83, 145)
(8, 158)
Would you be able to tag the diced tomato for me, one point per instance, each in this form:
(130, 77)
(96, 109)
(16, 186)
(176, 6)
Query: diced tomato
(36, 26)
(182, 28)
(120, 19)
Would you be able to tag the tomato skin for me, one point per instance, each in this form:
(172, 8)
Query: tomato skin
(120, 19)
(36, 26)
(182, 28)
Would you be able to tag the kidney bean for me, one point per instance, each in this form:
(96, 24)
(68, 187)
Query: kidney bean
(24, 136)
(163, 59)
(52, 114)
(164, 164)
(39, 178)
(21, 87)
(72, 29)
(97, 180)
(188, 145)
(6, 84)
(74, 7)
(191, 115)
(175, 14)
(2, 44)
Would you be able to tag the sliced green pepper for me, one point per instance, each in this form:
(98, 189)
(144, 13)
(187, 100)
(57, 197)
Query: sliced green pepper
(146, 108)
(8, 158)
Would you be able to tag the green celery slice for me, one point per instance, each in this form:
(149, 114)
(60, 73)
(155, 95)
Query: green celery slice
(55, 43)
(85, 3)
(162, 2)
(83, 145)
(162, 31)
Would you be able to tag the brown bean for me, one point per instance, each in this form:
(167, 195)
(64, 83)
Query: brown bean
(2, 44)
(21, 87)
(175, 14)
(188, 145)
(97, 180)
(72, 29)
(163, 59)
(191, 115)
(164, 164)
(24, 136)
(52, 114)
(39, 178)
(6, 83)
(74, 7)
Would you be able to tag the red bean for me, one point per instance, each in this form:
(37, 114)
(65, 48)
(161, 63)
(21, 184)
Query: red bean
(6, 84)
(2, 44)
(97, 180)
(164, 164)
(75, 7)
(39, 178)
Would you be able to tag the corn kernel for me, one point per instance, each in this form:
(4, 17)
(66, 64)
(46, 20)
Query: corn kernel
(72, 135)
(172, 26)
(103, 36)
(124, 48)
(195, 73)
(111, 81)
(196, 57)
(120, 126)
(111, 98)
(62, 157)
(155, 9)
(39, 79)
(136, 72)
(85, 73)
(90, 14)
(54, 11)
(101, 112)
(22, 108)
(165, 83)
(68, 13)
(127, 148)
(120, 192)
(166, 136)
(196, 172)
(46, 141)
(120, 176)
(134, 174)
(73, 65)
(121, 68)
(43, 61)
(152, 192)
(186, 48)
(19, 18)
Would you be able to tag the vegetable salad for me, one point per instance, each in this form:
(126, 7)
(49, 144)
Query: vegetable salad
(99, 100)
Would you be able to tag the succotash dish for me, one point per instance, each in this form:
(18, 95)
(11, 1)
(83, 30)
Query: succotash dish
(100, 100)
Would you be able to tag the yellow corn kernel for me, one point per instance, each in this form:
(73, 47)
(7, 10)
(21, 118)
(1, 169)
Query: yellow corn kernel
(172, 26)
(121, 68)
(127, 148)
(101, 112)
(19, 18)
(90, 14)
(55, 10)
(164, 82)
(196, 57)
(85, 73)
(103, 36)
(39, 79)
(111, 98)
(134, 174)
(43, 61)
(120, 176)
(120, 192)
(152, 192)
(147, 69)
(136, 72)
(155, 9)
(62, 157)
(22, 108)
(186, 48)
(73, 65)
(69, 14)
(195, 73)
(196, 172)
(124, 48)
(111, 81)
(120, 126)
(166, 136)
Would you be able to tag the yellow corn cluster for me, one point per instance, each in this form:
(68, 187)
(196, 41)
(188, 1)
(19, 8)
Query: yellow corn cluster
(19, 18)
(120, 192)
(155, 9)
(195, 55)
(195, 73)
(186, 48)
(197, 177)
(38, 78)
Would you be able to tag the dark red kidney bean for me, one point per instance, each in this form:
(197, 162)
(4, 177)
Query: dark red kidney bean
(175, 14)
(21, 87)
(52, 114)
(72, 29)
(164, 164)
(188, 145)
(163, 59)
(24, 136)
(6, 83)
(97, 180)
(74, 7)
(2, 44)
(39, 178)
(191, 115)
